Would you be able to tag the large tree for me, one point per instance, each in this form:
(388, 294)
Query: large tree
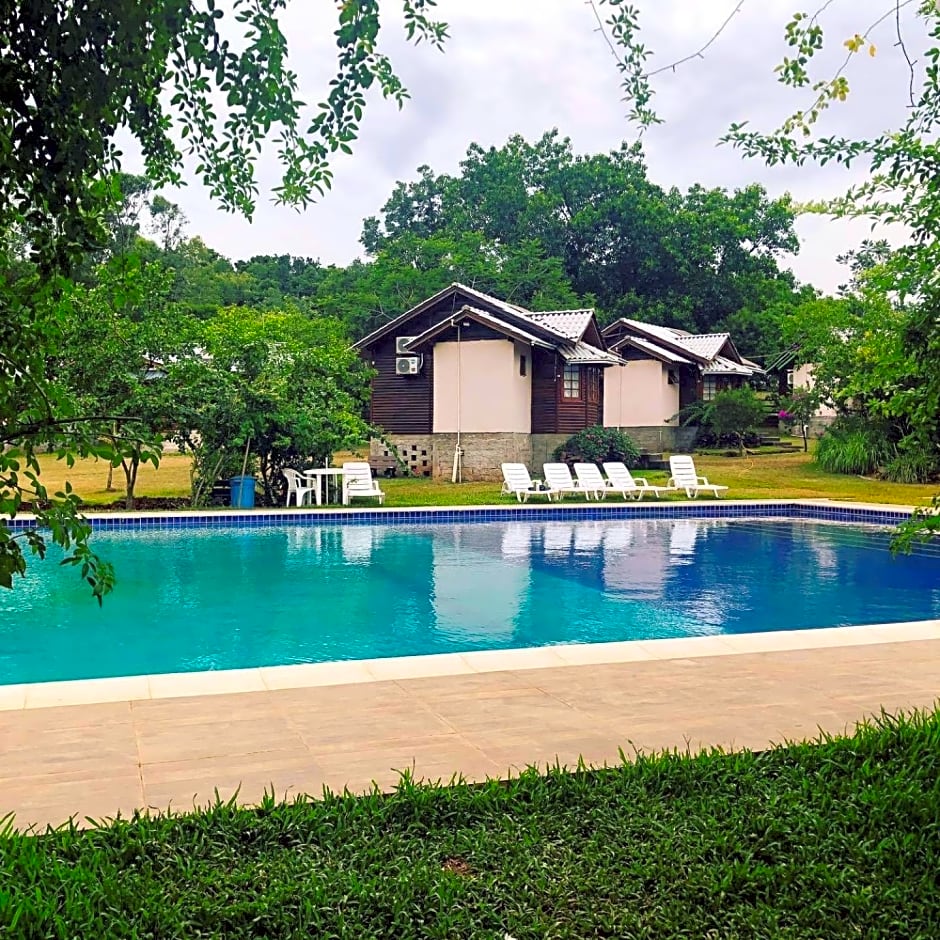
(76, 73)
(691, 260)
(410, 268)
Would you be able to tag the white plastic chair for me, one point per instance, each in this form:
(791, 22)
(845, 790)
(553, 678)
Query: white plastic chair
(620, 480)
(590, 480)
(297, 487)
(518, 483)
(685, 478)
(358, 482)
(558, 478)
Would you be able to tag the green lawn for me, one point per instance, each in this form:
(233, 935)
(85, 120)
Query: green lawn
(764, 476)
(834, 840)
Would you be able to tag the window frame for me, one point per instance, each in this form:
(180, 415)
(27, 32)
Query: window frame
(571, 379)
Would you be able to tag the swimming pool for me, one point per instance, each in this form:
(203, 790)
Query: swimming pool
(203, 599)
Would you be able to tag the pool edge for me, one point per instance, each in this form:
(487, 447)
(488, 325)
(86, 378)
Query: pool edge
(28, 696)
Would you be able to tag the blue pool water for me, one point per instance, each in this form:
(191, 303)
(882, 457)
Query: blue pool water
(194, 599)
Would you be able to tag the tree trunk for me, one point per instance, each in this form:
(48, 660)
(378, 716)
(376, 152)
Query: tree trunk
(130, 475)
(110, 487)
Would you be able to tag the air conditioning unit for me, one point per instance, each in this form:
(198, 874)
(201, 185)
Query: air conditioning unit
(401, 345)
(407, 365)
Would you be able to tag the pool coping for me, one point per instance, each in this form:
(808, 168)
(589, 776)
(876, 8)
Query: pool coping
(28, 696)
(819, 509)
(307, 675)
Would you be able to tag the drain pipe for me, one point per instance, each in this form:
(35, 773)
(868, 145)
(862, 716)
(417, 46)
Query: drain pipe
(456, 474)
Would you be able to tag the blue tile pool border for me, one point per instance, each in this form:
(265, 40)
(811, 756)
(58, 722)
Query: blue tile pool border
(783, 509)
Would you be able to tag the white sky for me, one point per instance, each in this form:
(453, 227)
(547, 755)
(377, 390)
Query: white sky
(526, 66)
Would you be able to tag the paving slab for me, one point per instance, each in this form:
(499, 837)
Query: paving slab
(100, 759)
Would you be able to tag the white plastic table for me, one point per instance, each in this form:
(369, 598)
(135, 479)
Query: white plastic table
(321, 478)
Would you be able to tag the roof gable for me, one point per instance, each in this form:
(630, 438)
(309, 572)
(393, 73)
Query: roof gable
(664, 337)
(714, 352)
(478, 316)
(460, 295)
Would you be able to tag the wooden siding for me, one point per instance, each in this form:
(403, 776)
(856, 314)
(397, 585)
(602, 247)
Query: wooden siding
(552, 413)
(593, 336)
(576, 414)
(401, 404)
(545, 391)
(690, 385)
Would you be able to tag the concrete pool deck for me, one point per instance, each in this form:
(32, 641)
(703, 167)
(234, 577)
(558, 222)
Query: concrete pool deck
(157, 746)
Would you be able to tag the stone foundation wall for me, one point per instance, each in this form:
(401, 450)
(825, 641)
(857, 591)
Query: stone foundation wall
(432, 455)
(819, 423)
(662, 438)
(482, 454)
(543, 445)
(417, 450)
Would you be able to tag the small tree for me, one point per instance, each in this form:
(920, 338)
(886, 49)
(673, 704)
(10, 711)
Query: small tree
(286, 389)
(799, 409)
(118, 341)
(735, 412)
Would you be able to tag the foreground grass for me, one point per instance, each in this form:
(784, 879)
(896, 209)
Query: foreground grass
(838, 839)
(765, 476)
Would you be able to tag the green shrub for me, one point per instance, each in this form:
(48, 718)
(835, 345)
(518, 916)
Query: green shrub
(911, 466)
(851, 445)
(597, 444)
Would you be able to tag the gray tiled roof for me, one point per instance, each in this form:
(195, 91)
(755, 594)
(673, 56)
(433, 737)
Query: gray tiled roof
(481, 316)
(704, 344)
(722, 366)
(586, 354)
(705, 348)
(569, 323)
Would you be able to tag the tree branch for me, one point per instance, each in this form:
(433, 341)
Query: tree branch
(699, 53)
(9, 435)
(821, 97)
(602, 30)
(900, 42)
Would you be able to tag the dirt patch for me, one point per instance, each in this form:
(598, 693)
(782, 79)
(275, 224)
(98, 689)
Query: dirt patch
(456, 866)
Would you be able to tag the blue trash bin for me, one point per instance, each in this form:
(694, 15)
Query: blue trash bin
(242, 494)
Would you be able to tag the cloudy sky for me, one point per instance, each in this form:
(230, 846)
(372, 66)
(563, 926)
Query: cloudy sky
(526, 66)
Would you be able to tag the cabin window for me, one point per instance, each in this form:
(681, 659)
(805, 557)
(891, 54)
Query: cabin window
(522, 366)
(713, 384)
(673, 377)
(572, 382)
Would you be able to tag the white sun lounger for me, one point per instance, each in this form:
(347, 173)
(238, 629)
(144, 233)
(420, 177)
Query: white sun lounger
(685, 478)
(620, 480)
(590, 480)
(558, 477)
(358, 482)
(518, 483)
